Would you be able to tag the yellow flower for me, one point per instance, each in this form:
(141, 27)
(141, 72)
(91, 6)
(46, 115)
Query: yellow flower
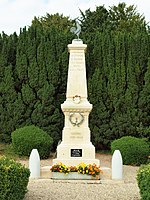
(82, 168)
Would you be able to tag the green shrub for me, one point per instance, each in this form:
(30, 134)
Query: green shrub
(134, 151)
(14, 179)
(143, 179)
(31, 137)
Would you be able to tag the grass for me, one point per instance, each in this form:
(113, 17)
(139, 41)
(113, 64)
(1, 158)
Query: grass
(8, 151)
(106, 152)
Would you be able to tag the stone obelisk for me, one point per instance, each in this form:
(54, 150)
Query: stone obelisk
(76, 146)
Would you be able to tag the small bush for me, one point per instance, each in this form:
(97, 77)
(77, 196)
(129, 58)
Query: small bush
(31, 137)
(143, 179)
(14, 179)
(134, 151)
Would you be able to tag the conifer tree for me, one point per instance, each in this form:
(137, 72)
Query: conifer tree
(7, 85)
(144, 100)
(8, 95)
(38, 69)
(99, 118)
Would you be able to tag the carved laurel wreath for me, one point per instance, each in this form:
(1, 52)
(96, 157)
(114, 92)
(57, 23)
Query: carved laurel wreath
(76, 118)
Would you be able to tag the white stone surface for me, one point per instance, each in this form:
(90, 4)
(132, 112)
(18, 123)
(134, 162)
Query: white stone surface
(34, 164)
(76, 84)
(117, 165)
(73, 176)
(76, 133)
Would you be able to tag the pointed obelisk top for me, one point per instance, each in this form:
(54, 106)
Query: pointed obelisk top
(77, 84)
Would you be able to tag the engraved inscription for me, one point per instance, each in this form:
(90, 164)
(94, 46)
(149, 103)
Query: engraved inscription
(77, 62)
(75, 133)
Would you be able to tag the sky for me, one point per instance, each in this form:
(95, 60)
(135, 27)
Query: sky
(16, 14)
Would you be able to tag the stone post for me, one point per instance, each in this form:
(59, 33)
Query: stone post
(117, 165)
(34, 164)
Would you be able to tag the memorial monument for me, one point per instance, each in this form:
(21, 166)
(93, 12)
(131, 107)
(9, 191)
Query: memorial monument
(76, 146)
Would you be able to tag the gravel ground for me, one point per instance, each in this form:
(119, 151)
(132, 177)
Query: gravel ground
(48, 189)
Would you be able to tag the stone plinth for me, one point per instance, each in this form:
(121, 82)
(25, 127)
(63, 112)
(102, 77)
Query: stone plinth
(76, 143)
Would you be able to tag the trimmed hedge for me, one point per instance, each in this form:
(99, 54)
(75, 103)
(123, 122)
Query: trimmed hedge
(143, 179)
(14, 179)
(31, 137)
(134, 151)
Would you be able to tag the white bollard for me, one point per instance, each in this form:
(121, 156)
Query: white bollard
(117, 165)
(34, 164)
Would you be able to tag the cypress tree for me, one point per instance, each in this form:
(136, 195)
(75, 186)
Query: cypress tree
(144, 101)
(99, 118)
(7, 85)
(8, 95)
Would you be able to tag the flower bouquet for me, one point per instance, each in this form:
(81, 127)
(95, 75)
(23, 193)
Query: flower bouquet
(60, 168)
(90, 169)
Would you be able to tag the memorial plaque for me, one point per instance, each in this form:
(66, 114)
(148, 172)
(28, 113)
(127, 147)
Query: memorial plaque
(76, 152)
